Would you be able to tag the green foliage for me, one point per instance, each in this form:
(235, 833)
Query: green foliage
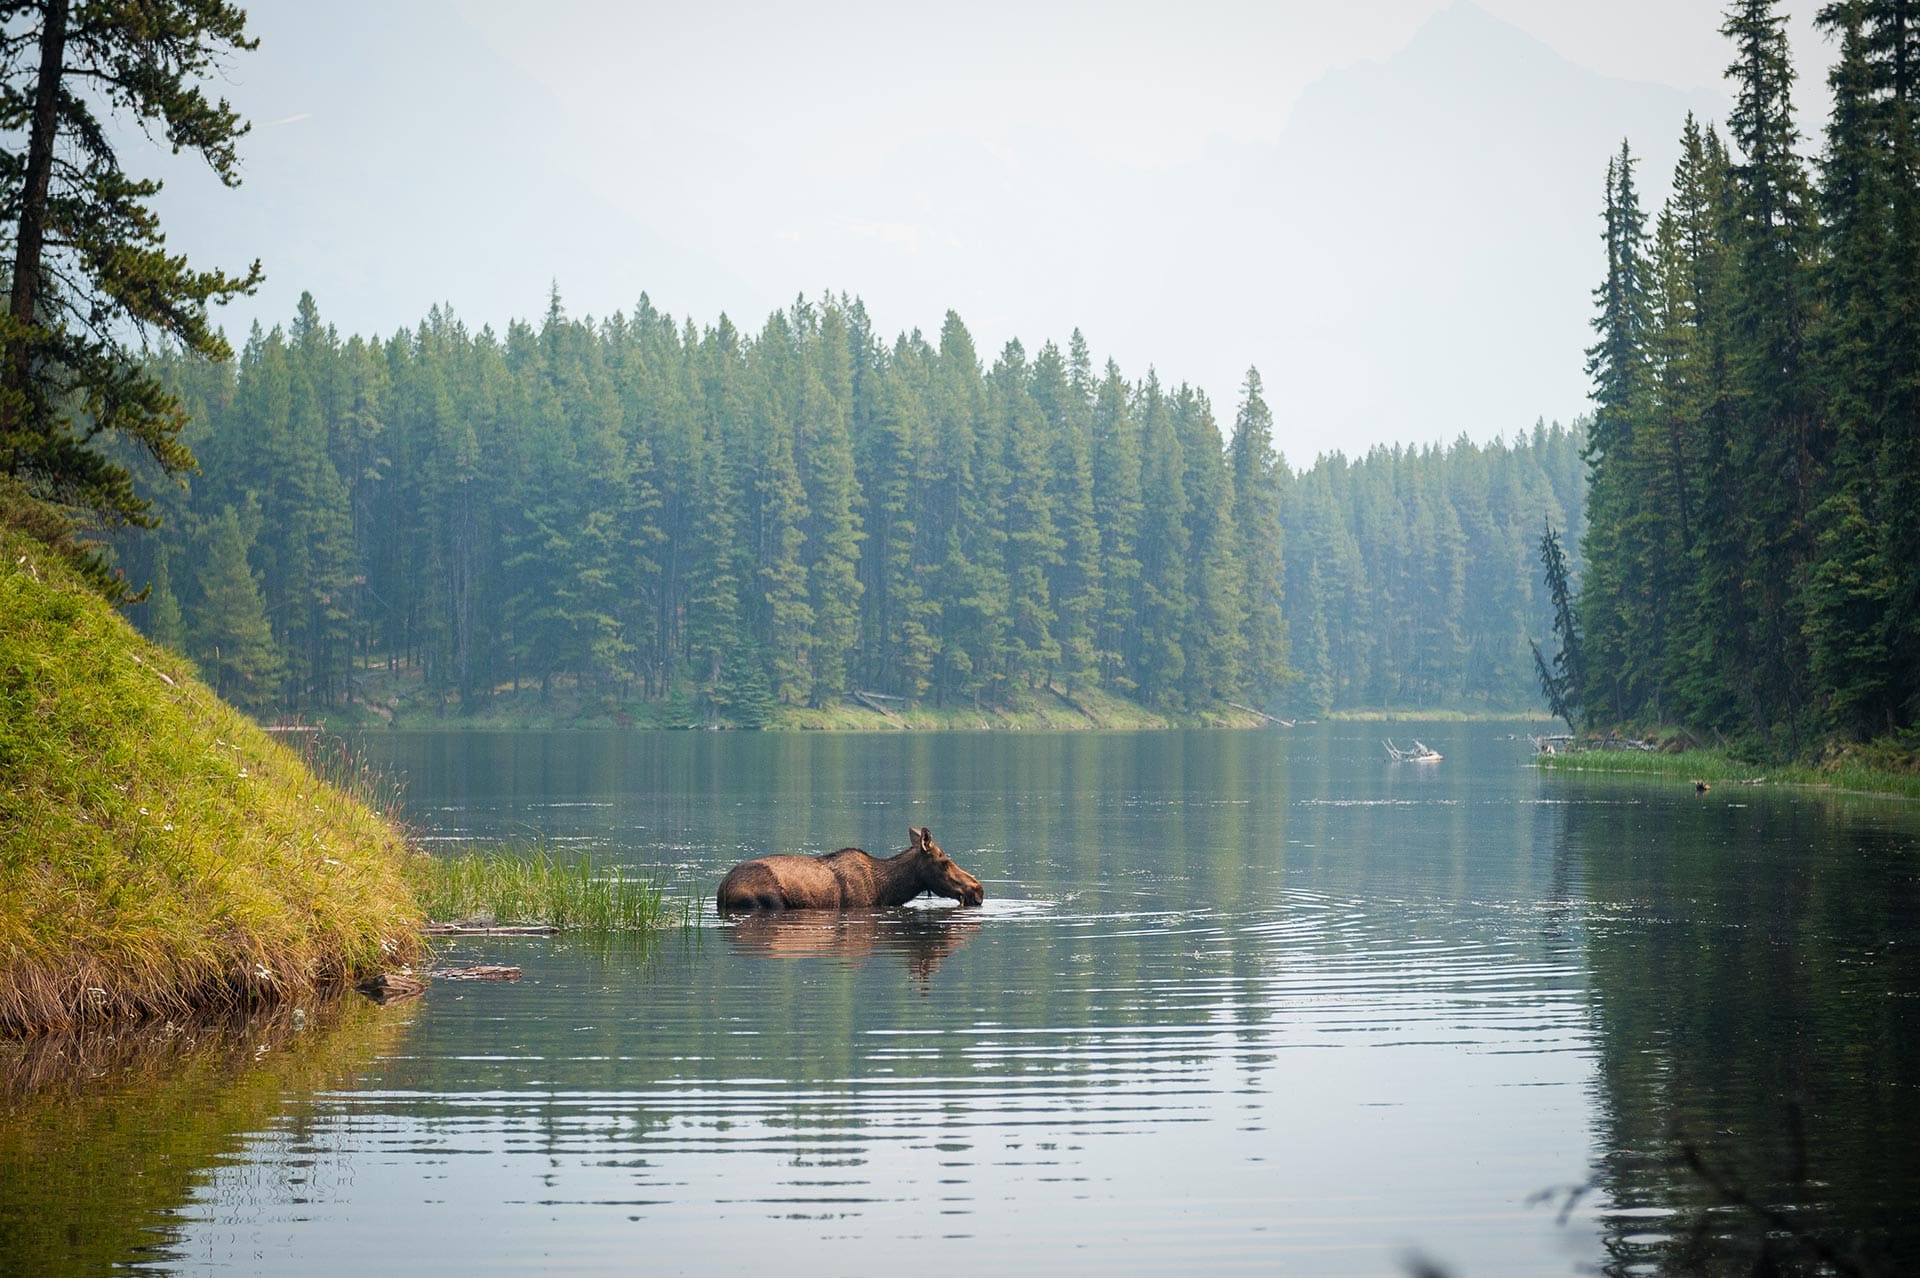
(1752, 565)
(1257, 475)
(230, 637)
(616, 508)
(1410, 577)
(90, 272)
(1561, 683)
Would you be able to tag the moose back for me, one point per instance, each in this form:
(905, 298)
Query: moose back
(848, 879)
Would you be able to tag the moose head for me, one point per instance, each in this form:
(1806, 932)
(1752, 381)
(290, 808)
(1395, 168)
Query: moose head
(939, 875)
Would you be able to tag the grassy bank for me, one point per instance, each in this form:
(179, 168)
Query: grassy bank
(398, 698)
(1853, 770)
(159, 853)
(512, 886)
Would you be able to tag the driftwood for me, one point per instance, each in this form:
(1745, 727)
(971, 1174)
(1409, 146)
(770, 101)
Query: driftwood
(391, 987)
(1419, 752)
(481, 972)
(871, 700)
(1076, 707)
(489, 929)
(1285, 723)
(1566, 743)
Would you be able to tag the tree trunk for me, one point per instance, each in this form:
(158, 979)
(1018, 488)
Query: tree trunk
(33, 217)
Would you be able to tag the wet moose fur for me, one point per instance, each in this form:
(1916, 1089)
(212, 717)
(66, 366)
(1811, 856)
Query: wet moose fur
(848, 879)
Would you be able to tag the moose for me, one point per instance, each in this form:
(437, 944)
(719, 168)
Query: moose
(848, 879)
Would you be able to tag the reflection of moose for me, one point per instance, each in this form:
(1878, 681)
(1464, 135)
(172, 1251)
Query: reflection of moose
(848, 879)
(922, 938)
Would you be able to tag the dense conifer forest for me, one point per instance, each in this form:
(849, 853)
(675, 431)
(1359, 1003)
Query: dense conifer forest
(647, 511)
(1753, 550)
(1412, 575)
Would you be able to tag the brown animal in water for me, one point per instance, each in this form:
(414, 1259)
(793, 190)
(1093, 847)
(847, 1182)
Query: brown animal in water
(848, 879)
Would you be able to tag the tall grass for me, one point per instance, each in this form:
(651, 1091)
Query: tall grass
(531, 886)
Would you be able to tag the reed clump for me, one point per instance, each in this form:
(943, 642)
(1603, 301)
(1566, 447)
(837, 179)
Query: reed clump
(159, 853)
(533, 886)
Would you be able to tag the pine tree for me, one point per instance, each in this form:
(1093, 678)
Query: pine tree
(1561, 683)
(1258, 473)
(833, 527)
(90, 272)
(1849, 593)
(163, 621)
(1214, 640)
(776, 515)
(1779, 449)
(1157, 660)
(1033, 544)
(232, 643)
(1063, 391)
(1118, 512)
(1612, 609)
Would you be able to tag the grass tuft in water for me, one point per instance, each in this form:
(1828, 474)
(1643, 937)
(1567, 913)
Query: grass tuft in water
(518, 886)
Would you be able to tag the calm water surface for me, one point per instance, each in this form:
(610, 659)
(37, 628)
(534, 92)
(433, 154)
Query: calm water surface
(1237, 1002)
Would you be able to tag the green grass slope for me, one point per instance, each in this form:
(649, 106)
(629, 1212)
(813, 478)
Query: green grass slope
(159, 853)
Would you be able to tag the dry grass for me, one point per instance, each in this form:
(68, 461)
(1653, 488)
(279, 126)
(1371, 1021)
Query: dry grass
(159, 853)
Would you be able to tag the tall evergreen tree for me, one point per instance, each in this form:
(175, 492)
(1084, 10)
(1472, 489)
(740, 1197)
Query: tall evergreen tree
(1779, 451)
(1258, 473)
(1156, 657)
(89, 265)
(1613, 611)
(1118, 511)
(231, 641)
(1849, 624)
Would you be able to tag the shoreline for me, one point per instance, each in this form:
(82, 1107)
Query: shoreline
(1715, 765)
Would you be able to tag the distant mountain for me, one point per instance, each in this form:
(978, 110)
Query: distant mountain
(1419, 248)
(1411, 260)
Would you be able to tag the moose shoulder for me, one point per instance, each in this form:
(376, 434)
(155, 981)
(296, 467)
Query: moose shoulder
(848, 879)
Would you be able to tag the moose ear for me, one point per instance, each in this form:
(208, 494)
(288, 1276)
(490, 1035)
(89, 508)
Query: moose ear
(913, 837)
(926, 836)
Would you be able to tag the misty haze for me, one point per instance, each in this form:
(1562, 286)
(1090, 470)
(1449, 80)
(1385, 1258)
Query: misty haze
(1067, 638)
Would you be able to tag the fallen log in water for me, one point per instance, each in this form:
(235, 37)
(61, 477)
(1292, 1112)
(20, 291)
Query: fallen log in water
(490, 929)
(479, 972)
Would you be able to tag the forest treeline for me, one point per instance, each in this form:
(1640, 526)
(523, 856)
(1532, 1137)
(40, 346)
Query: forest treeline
(1753, 545)
(1412, 576)
(644, 509)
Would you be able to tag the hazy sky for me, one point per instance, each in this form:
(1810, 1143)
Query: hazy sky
(1388, 207)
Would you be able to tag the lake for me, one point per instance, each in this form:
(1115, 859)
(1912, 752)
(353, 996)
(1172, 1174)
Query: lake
(1237, 1002)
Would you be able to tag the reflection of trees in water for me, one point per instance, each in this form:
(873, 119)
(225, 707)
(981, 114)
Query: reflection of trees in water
(921, 939)
(1757, 995)
(105, 1133)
